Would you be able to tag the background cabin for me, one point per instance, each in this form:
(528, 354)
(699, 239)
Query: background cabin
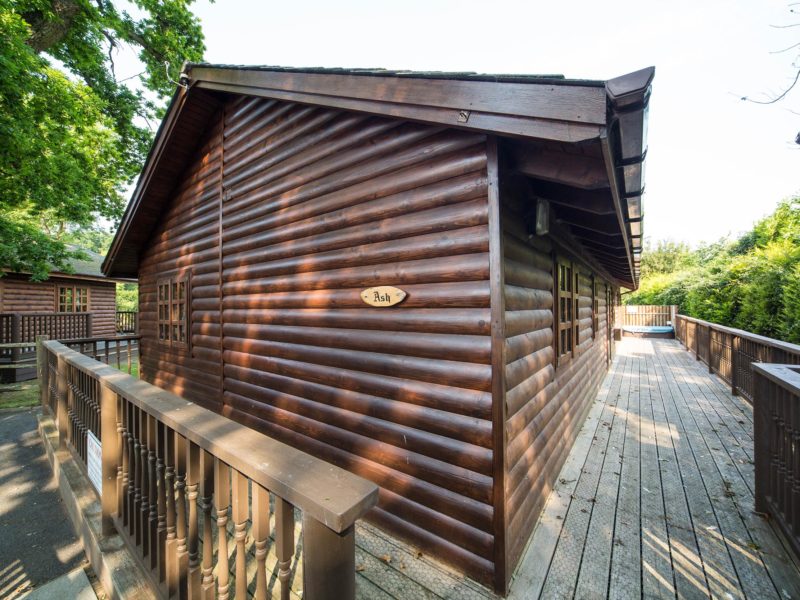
(506, 208)
(66, 306)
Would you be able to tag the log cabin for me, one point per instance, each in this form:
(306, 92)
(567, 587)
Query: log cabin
(68, 305)
(410, 275)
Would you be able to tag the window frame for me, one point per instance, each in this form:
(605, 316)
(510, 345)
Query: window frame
(564, 317)
(173, 303)
(73, 305)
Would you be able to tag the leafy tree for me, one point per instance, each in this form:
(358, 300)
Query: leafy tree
(73, 136)
(752, 282)
(665, 257)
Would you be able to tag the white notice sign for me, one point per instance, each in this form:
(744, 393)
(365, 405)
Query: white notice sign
(94, 461)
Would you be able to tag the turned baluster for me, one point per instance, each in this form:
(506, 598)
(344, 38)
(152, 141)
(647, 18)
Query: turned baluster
(222, 497)
(172, 538)
(181, 550)
(240, 516)
(284, 543)
(161, 494)
(261, 537)
(144, 507)
(152, 520)
(137, 476)
(192, 483)
(206, 498)
(122, 470)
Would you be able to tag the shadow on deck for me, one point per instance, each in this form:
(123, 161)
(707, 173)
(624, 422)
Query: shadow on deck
(656, 497)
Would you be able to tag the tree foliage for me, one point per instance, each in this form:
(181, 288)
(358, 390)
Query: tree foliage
(751, 282)
(73, 136)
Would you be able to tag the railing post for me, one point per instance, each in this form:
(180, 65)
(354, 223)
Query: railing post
(109, 444)
(710, 359)
(761, 439)
(735, 344)
(329, 561)
(696, 341)
(62, 419)
(16, 337)
(89, 324)
(42, 369)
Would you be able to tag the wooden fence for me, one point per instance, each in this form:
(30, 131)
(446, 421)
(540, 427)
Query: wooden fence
(730, 352)
(174, 474)
(776, 436)
(647, 315)
(127, 321)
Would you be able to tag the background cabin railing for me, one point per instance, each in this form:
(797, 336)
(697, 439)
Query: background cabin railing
(776, 437)
(645, 315)
(26, 327)
(730, 352)
(126, 321)
(175, 476)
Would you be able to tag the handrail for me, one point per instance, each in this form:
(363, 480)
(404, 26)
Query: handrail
(154, 440)
(747, 335)
(730, 352)
(776, 457)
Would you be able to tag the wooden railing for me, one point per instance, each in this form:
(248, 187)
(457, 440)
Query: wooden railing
(730, 352)
(26, 327)
(776, 437)
(173, 475)
(764, 371)
(126, 321)
(648, 315)
(121, 351)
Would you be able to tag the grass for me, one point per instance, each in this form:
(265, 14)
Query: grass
(19, 395)
(26, 393)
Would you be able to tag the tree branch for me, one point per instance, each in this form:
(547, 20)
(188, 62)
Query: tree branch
(778, 98)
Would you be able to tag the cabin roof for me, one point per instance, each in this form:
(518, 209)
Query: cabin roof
(83, 268)
(579, 143)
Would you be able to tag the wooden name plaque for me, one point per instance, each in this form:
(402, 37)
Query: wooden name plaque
(383, 295)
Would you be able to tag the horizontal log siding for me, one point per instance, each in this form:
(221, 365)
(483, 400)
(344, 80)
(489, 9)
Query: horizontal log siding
(103, 305)
(320, 204)
(187, 241)
(545, 407)
(23, 296)
(20, 295)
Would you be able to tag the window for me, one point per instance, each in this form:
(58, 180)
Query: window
(172, 321)
(73, 299)
(566, 311)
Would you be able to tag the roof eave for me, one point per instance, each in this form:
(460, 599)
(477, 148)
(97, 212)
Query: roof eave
(625, 149)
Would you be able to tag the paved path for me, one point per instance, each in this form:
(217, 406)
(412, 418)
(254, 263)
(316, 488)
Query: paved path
(37, 542)
(656, 497)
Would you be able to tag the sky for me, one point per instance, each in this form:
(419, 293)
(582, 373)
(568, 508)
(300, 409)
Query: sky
(715, 163)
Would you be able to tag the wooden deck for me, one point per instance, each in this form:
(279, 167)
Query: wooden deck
(656, 497)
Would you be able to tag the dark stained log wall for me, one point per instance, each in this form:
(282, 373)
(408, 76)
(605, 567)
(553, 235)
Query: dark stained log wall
(318, 205)
(545, 404)
(187, 241)
(20, 295)
(103, 305)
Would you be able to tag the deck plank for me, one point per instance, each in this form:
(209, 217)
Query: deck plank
(663, 502)
(626, 564)
(658, 579)
(690, 579)
(596, 564)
